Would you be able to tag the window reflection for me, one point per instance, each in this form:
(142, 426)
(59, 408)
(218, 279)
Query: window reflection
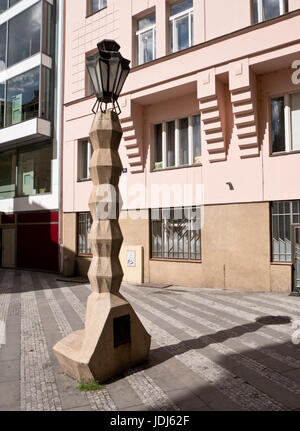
(3, 5)
(2, 47)
(8, 161)
(183, 141)
(95, 5)
(278, 124)
(34, 170)
(2, 95)
(181, 25)
(22, 97)
(24, 34)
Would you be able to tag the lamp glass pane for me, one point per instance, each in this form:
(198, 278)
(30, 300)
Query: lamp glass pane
(92, 73)
(122, 81)
(98, 79)
(104, 71)
(113, 73)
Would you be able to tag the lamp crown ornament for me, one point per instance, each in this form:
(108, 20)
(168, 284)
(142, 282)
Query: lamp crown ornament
(108, 71)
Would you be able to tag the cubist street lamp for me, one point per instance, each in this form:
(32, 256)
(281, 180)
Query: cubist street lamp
(114, 339)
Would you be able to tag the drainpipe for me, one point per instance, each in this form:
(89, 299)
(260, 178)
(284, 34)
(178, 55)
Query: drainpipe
(59, 115)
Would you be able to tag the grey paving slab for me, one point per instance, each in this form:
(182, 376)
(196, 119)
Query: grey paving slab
(9, 395)
(187, 400)
(10, 371)
(123, 394)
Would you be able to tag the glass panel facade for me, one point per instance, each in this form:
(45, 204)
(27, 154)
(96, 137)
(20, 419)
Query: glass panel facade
(46, 94)
(176, 233)
(34, 170)
(8, 162)
(84, 223)
(22, 97)
(5, 4)
(284, 214)
(2, 47)
(33, 164)
(278, 124)
(47, 28)
(24, 34)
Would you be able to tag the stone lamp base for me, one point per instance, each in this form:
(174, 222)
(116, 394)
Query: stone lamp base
(113, 341)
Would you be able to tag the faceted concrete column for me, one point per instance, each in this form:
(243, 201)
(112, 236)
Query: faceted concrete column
(114, 338)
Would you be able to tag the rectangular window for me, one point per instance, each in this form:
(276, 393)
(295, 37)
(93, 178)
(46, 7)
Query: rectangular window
(34, 170)
(176, 233)
(95, 5)
(263, 10)
(8, 163)
(181, 137)
(24, 34)
(181, 25)
(22, 102)
(85, 152)
(285, 120)
(284, 214)
(84, 223)
(146, 39)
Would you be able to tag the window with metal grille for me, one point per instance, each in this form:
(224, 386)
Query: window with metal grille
(84, 223)
(284, 214)
(176, 233)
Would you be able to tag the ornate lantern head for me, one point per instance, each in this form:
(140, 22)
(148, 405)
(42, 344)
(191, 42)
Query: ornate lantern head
(108, 71)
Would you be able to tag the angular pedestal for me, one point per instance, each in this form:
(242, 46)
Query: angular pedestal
(113, 341)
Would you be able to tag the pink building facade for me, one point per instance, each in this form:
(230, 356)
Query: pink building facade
(210, 114)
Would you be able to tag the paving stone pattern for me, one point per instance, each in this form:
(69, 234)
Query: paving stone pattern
(211, 349)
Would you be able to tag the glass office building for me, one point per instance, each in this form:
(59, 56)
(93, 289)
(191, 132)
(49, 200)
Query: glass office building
(29, 150)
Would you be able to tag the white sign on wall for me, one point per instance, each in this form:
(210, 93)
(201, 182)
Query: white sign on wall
(131, 259)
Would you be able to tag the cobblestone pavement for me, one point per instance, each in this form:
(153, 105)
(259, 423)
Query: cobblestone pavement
(211, 349)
